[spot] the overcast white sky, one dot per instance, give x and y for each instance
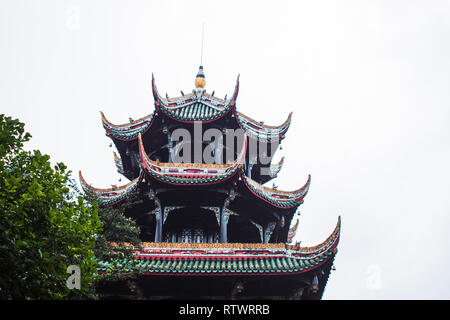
(368, 82)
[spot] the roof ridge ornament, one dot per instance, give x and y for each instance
(200, 81)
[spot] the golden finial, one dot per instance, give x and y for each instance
(200, 79)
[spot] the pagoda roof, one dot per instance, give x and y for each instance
(197, 111)
(128, 131)
(195, 106)
(189, 108)
(278, 198)
(198, 174)
(223, 259)
(112, 195)
(262, 132)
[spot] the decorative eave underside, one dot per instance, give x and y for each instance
(112, 195)
(128, 131)
(224, 259)
(195, 106)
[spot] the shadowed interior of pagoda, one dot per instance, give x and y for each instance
(240, 230)
(191, 225)
(193, 215)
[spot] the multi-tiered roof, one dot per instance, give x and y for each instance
(215, 219)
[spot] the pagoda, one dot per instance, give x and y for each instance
(209, 226)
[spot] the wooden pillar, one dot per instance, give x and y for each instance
(170, 146)
(158, 215)
(158, 230)
(223, 226)
(224, 216)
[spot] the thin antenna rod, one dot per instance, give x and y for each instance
(203, 33)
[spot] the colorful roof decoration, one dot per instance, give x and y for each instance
(195, 106)
(128, 131)
(188, 265)
(198, 174)
(224, 259)
(112, 195)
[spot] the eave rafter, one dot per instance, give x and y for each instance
(112, 195)
(191, 173)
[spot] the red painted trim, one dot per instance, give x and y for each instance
(154, 176)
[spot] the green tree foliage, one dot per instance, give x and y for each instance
(43, 227)
(120, 235)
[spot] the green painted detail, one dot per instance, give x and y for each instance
(214, 265)
(195, 112)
